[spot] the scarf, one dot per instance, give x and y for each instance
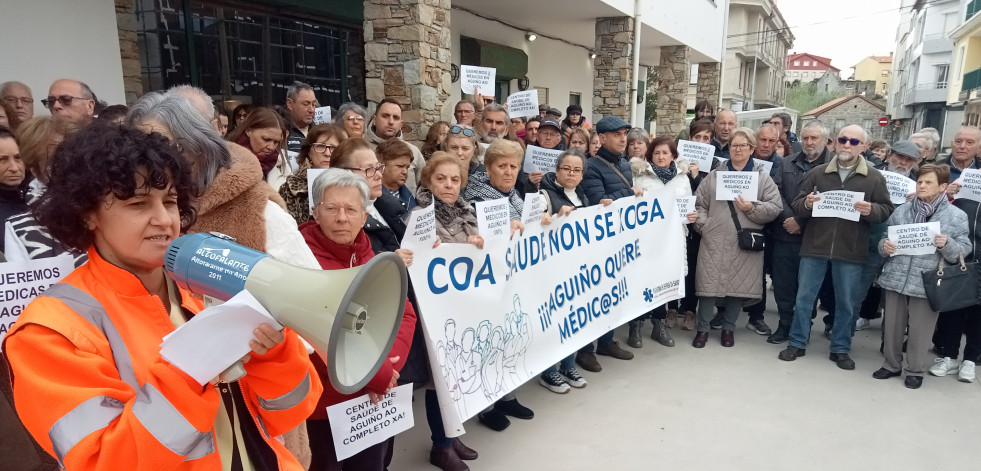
(267, 161)
(923, 210)
(446, 213)
(479, 188)
(666, 174)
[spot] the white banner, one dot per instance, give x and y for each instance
(495, 318)
(899, 186)
(522, 104)
(970, 184)
(697, 152)
(357, 424)
(838, 204)
(729, 185)
(23, 281)
(914, 239)
(475, 79)
(540, 159)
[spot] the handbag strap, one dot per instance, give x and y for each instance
(735, 219)
(615, 169)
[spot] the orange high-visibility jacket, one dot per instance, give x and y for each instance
(94, 391)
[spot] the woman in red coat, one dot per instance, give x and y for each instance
(337, 239)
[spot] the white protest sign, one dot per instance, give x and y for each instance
(729, 185)
(838, 204)
(312, 174)
(321, 115)
(766, 165)
(420, 229)
(496, 318)
(698, 153)
(899, 186)
(493, 218)
(475, 79)
(357, 424)
(970, 184)
(539, 159)
(531, 212)
(686, 204)
(523, 104)
(23, 281)
(914, 239)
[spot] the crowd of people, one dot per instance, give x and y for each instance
(113, 186)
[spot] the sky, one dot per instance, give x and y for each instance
(847, 31)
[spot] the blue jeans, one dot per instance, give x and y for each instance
(566, 364)
(602, 341)
(847, 277)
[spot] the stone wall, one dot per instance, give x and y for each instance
(672, 89)
(407, 57)
(129, 51)
(708, 83)
(612, 67)
(853, 111)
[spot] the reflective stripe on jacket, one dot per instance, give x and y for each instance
(91, 387)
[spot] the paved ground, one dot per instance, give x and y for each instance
(734, 408)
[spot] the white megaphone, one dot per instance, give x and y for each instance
(350, 316)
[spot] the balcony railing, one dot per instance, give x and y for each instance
(932, 86)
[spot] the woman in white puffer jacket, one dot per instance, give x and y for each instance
(661, 169)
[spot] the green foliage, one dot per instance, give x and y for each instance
(804, 97)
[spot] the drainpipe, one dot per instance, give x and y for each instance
(636, 64)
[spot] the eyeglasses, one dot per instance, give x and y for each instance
(334, 210)
(570, 170)
(739, 146)
(465, 131)
(355, 118)
(852, 141)
(367, 171)
(23, 100)
(321, 148)
(65, 100)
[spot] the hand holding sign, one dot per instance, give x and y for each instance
(914, 239)
(697, 152)
(729, 185)
(968, 186)
(839, 204)
(539, 159)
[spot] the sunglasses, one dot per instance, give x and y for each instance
(65, 100)
(465, 131)
(852, 141)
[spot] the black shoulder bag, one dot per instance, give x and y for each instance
(749, 239)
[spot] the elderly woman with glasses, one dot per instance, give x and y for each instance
(315, 153)
(353, 118)
(462, 141)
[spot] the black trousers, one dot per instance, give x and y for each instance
(952, 325)
(324, 458)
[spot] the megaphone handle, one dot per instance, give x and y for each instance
(232, 373)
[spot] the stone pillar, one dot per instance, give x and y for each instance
(612, 68)
(708, 83)
(129, 50)
(672, 90)
(407, 57)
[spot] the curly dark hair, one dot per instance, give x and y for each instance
(102, 159)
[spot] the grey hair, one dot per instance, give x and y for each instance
(825, 132)
(296, 88)
(933, 134)
(496, 107)
(478, 150)
(928, 140)
(332, 177)
(349, 106)
(4, 86)
(638, 134)
(574, 153)
(191, 92)
(194, 134)
(87, 91)
(473, 107)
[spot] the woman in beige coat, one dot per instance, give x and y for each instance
(724, 272)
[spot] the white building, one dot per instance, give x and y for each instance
(758, 39)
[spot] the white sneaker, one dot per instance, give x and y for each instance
(945, 366)
(862, 323)
(966, 373)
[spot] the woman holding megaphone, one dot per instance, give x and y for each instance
(89, 381)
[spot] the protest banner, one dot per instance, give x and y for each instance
(729, 185)
(970, 184)
(521, 104)
(539, 159)
(475, 79)
(697, 152)
(312, 174)
(357, 424)
(493, 219)
(495, 318)
(686, 204)
(914, 239)
(838, 204)
(21, 282)
(899, 186)
(321, 115)
(766, 165)
(420, 229)
(531, 212)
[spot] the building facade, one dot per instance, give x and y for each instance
(877, 69)
(758, 39)
(965, 79)
(805, 67)
(851, 109)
